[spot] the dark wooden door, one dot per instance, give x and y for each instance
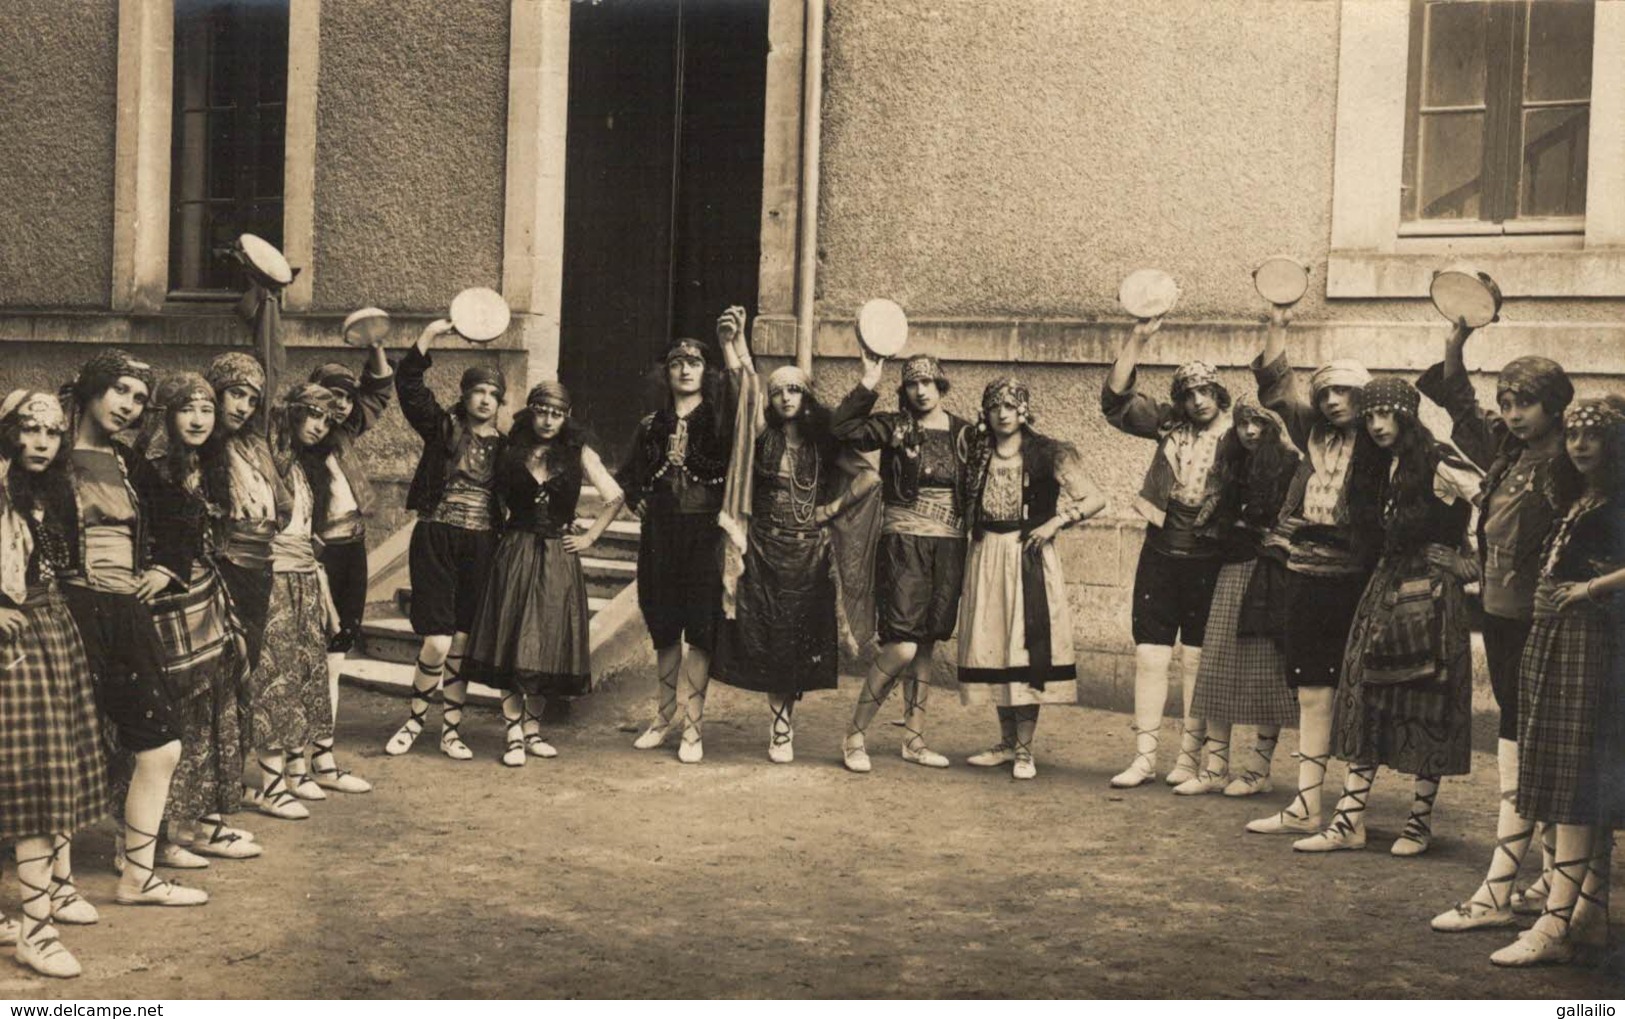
(663, 190)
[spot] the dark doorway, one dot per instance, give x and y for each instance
(663, 190)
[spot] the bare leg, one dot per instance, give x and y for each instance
(1314, 751)
(668, 665)
(143, 814)
(1151, 663)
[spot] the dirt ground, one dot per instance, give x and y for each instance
(609, 872)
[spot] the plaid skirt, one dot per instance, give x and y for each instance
(1569, 770)
(288, 700)
(1241, 680)
(195, 629)
(53, 770)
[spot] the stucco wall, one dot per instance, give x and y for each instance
(1017, 160)
(58, 69)
(410, 151)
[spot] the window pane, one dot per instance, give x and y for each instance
(222, 156)
(1554, 161)
(1559, 50)
(1455, 55)
(1451, 165)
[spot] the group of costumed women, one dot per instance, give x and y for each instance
(1311, 555)
(173, 611)
(171, 608)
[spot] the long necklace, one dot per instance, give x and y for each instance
(803, 496)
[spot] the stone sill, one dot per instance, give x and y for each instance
(1407, 273)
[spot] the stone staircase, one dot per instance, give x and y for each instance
(388, 647)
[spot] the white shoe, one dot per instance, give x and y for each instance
(926, 756)
(161, 893)
(68, 906)
(992, 757)
(1249, 784)
(1141, 771)
(535, 746)
(1534, 948)
(179, 857)
(652, 737)
(1412, 844)
(340, 781)
(405, 736)
(45, 954)
(1472, 915)
(452, 745)
(782, 750)
(1202, 784)
(306, 788)
(855, 757)
(1024, 767)
(1284, 823)
(226, 844)
(691, 751)
(1332, 840)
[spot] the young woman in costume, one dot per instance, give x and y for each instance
(530, 638)
(1325, 577)
(1241, 680)
(452, 541)
(1571, 685)
(920, 564)
(1015, 628)
(1520, 446)
(110, 584)
(1179, 560)
(51, 761)
(1405, 696)
(673, 478)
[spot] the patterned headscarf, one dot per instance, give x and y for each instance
(310, 397)
(1393, 395)
(1539, 378)
(1594, 412)
(1194, 375)
(182, 388)
(549, 393)
(100, 372)
(1341, 372)
(31, 408)
(787, 377)
(485, 375)
(235, 368)
(1008, 388)
(923, 367)
(337, 377)
(1247, 407)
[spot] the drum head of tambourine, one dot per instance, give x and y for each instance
(265, 259)
(1461, 294)
(1148, 293)
(366, 326)
(480, 314)
(1281, 280)
(882, 327)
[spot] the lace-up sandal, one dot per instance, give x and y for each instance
(333, 777)
(513, 754)
(691, 749)
(38, 945)
(1250, 783)
(1347, 830)
(274, 800)
(1476, 914)
(1188, 762)
(855, 756)
(418, 718)
(299, 781)
(179, 857)
(1143, 768)
(535, 745)
(1417, 835)
(451, 742)
(1537, 947)
(217, 840)
(1295, 819)
(155, 891)
(993, 756)
(781, 735)
(1024, 767)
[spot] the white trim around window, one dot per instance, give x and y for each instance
(1372, 256)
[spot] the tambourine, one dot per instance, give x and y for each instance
(1465, 295)
(1148, 294)
(480, 315)
(882, 327)
(365, 327)
(1281, 280)
(264, 260)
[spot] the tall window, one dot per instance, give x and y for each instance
(1497, 116)
(231, 87)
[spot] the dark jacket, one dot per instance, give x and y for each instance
(695, 487)
(855, 424)
(161, 535)
(371, 400)
(1135, 413)
(443, 437)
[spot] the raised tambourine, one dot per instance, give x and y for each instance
(265, 261)
(365, 327)
(882, 327)
(1148, 293)
(480, 315)
(1465, 295)
(1282, 281)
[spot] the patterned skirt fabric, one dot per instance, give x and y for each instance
(992, 628)
(1241, 680)
(1571, 765)
(530, 633)
(288, 702)
(783, 640)
(53, 770)
(1422, 727)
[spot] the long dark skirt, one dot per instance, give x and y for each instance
(288, 700)
(53, 770)
(530, 632)
(1571, 759)
(1241, 679)
(783, 640)
(1419, 728)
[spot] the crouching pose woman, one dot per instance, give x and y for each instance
(1571, 747)
(1015, 629)
(51, 761)
(1405, 696)
(529, 638)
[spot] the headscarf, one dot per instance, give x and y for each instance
(182, 388)
(1247, 406)
(31, 407)
(27, 407)
(1194, 375)
(337, 377)
(310, 397)
(1594, 412)
(235, 368)
(548, 393)
(1393, 395)
(685, 349)
(485, 375)
(1008, 388)
(1341, 372)
(923, 368)
(787, 377)
(1539, 378)
(100, 372)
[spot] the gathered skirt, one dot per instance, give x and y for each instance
(1571, 746)
(994, 664)
(53, 767)
(1241, 680)
(288, 700)
(530, 632)
(1423, 727)
(783, 639)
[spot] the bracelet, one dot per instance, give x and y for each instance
(1589, 597)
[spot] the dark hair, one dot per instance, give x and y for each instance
(1254, 482)
(658, 391)
(815, 433)
(1568, 484)
(51, 490)
(312, 459)
(562, 451)
(179, 459)
(11, 442)
(1220, 394)
(1409, 491)
(942, 384)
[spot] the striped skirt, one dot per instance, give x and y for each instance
(53, 769)
(1242, 680)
